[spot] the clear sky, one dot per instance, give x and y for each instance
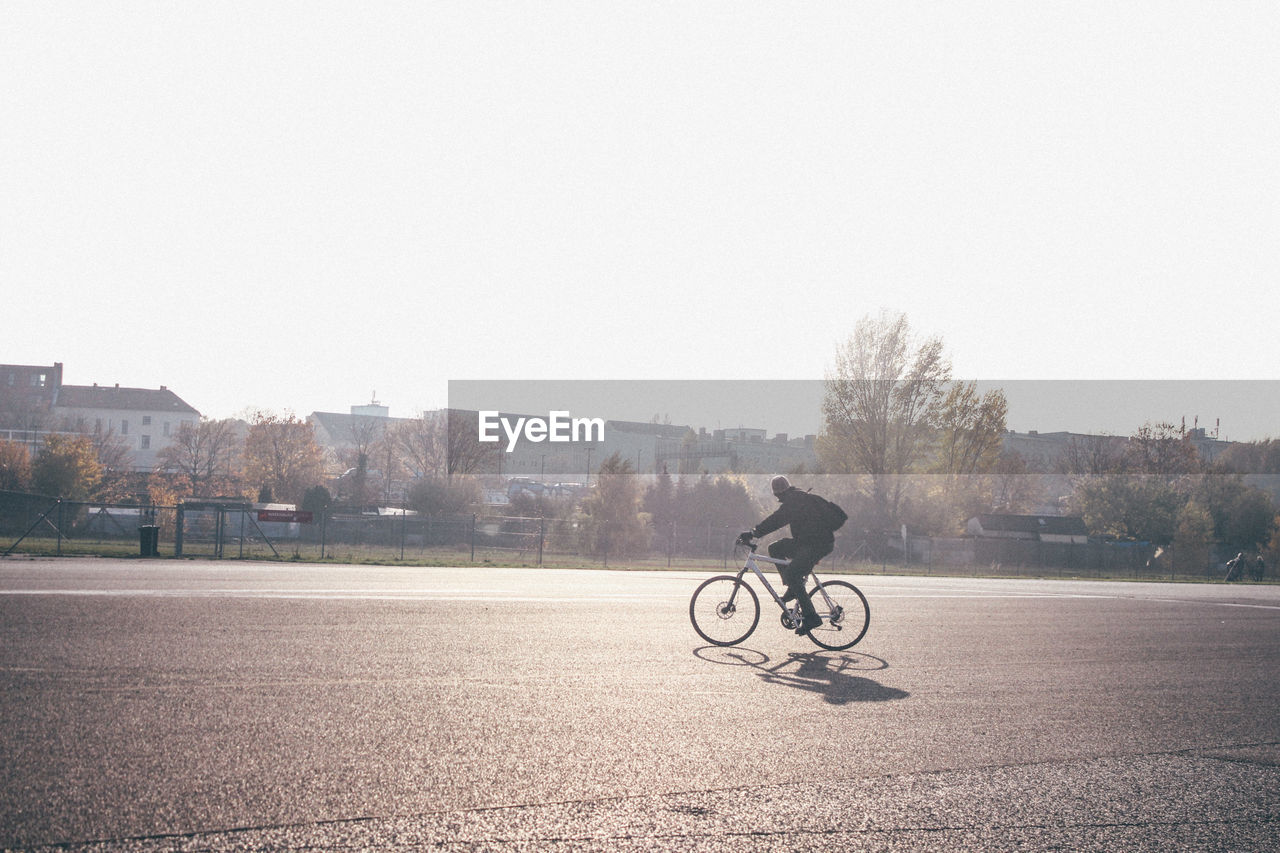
(296, 205)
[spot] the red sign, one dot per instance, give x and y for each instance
(293, 516)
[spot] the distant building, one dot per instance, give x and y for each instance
(652, 447)
(1046, 450)
(27, 392)
(337, 432)
(34, 403)
(1067, 530)
(145, 419)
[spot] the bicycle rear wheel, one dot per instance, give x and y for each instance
(724, 610)
(845, 614)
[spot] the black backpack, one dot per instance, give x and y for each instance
(830, 515)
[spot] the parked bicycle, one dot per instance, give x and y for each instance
(725, 609)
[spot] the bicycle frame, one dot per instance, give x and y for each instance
(752, 564)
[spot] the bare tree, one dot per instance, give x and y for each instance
(1014, 487)
(367, 440)
(1092, 456)
(420, 444)
(198, 449)
(464, 452)
(441, 445)
(116, 459)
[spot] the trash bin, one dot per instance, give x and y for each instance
(149, 540)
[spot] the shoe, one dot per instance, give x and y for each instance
(788, 596)
(808, 625)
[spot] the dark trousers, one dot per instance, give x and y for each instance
(804, 555)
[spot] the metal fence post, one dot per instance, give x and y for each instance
(60, 505)
(219, 526)
(542, 536)
(177, 531)
(473, 537)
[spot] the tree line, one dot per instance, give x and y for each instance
(268, 457)
(922, 451)
(903, 445)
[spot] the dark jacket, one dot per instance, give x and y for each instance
(803, 511)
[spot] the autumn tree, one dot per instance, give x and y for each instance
(15, 467)
(1162, 450)
(67, 467)
(1129, 507)
(971, 429)
(1191, 537)
(168, 489)
(198, 449)
(881, 406)
(1242, 516)
(281, 455)
(118, 482)
(1253, 457)
(612, 524)
(1252, 520)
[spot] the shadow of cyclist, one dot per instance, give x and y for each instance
(829, 675)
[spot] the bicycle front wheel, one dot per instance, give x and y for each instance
(724, 610)
(845, 614)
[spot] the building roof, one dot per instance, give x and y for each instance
(336, 429)
(1053, 525)
(126, 399)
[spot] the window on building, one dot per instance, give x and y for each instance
(146, 420)
(144, 442)
(166, 428)
(124, 427)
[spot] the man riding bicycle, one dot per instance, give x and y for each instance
(812, 539)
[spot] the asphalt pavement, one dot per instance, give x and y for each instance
(186, 705)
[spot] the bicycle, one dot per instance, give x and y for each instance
(725, 609)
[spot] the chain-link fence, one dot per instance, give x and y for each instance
(230, 529)
(39, 525)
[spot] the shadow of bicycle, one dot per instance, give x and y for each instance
(831, 675)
